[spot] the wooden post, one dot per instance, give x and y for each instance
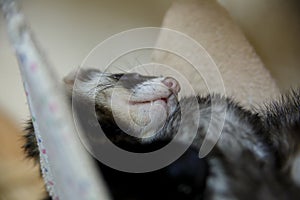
(67, 169)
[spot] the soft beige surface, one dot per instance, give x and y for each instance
(273, 28)
(243, 73)
(19, 177)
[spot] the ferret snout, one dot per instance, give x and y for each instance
(172, 84)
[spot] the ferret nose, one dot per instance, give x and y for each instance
(172, 84)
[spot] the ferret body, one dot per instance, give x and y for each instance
(254, 157)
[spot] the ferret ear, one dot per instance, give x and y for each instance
(69, 80)
(80, 74)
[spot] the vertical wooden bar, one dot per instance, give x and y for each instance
(67, 169)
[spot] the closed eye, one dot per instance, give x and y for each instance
(117, 76)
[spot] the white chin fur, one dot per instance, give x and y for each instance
(139, 120)
(142, 112)
(158, 116)
(147, 119)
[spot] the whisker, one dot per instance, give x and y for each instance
(104, 87)
(137, 60)
(146, 71)
(119, 68)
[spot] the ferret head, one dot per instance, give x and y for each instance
(140, 105)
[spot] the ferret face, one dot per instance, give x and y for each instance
(140, 105)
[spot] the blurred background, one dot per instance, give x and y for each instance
(69, 29)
